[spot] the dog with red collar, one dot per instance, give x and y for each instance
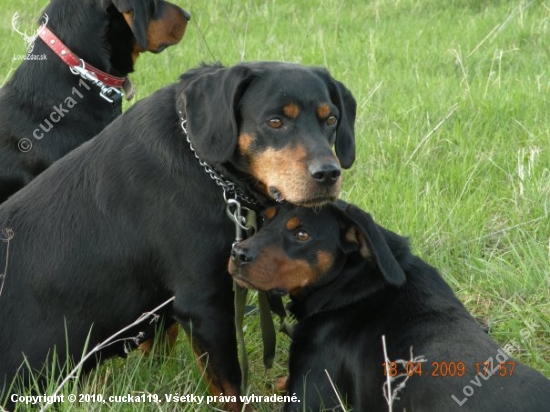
(53, 104)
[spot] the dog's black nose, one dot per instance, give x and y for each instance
(325, 173)
(242, 256)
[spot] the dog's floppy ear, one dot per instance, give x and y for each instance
(345, 131)
(136, 13)
(371, 243)
(211, 98)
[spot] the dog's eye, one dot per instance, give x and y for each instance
(275, 123)
(302, 236)
(331, 121)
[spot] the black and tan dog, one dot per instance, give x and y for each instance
(45, 110)
(351, 282)
(131, 218)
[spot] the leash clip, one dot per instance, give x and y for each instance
(245, 223)
(110, 94)
(234, 211)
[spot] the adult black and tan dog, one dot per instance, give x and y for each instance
(45, 110)
(131, 217)
(352, 282)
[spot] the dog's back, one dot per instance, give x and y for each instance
(429, 335)
(453, 364)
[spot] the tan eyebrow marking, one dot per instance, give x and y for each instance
(323, 110)
(291, 110)
(293, 223)
(270, 212)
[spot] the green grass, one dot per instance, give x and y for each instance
(472, 193)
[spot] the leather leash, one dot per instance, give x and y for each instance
(245, 226)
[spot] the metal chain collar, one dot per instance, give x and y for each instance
(227, 186)
(243, 217)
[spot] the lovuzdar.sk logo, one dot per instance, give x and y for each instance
(29, 39)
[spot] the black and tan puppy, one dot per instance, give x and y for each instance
(45, 110)
(131, 218)
(351, 282)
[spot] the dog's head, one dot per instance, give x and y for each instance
(275, 123)
(335, 251)
(155, 24)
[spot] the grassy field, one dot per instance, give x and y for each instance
(453, 138)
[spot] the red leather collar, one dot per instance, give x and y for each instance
(71, 59)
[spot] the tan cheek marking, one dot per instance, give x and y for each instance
(296, 274)
(293, 223)
(284, 169)
(323, 111)
(324, 262)
(274, 269)
(245, 142)
(291, 110)
(270, 212)
(169, 29)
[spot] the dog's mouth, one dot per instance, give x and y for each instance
(160, 48)
(245, 283)
(278, 196)
(315, 202)
(278, 291)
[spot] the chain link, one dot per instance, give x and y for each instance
(219, 178)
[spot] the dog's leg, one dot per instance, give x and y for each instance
(212, 334)
(167, 340)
